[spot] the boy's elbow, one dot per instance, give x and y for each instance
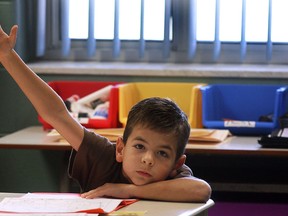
(201, 192)
(204, 192)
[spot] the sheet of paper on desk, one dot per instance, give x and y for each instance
(110, 133)
(208, 135)
(60, 203)
(44, 214)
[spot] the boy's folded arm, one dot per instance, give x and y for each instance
(186, 189)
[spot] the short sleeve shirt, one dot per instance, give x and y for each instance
(94, 164)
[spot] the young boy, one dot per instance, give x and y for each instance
(148, 163)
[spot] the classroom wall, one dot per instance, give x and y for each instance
(23, 170)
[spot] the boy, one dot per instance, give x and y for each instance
(148, 163)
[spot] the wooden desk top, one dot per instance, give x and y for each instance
(237, 145)
(35, 138)
(156, 208)
(32, 138)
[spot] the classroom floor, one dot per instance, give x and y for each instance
(248, 209)
(250, 205)
(243, 169)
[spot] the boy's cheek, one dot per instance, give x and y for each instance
(173, 173)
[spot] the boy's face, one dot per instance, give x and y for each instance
(148, 156)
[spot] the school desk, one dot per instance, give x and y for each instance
(155, 208)
(36, 138)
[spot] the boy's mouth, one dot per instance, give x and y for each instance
(144, 174)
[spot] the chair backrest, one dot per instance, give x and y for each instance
(186, 95)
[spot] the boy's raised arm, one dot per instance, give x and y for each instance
(47, 103)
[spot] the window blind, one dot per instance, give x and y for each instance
(166, 47)
(269, 40)
(181, 42)
(243, 40)
(117, 43)
(217, 43)
(91, 42)
(141, 40)
(192, 44)
(66, 41)
(41, 28)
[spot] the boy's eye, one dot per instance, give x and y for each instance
(139, 146)
(163, 154)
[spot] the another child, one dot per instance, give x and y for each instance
(147, 163)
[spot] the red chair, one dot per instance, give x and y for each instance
(66, 89)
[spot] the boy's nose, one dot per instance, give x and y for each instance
(148, 159)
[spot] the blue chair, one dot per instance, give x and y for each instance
(239, 107)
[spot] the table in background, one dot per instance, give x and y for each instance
(32, 138)
(36, 138)
(235, 145)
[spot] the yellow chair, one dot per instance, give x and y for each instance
(186, 95)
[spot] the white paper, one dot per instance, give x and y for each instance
(56, 203)
(284, 132)
(44, 214)
(250, 124)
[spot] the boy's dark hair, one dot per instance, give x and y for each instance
(161, 115)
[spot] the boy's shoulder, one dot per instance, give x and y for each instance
(92, 140)
(184, 171)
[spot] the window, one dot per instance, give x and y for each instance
(182, 31)
(129, 19)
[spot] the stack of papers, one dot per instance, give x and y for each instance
(208, 135)
(203, 135)
(60, 203)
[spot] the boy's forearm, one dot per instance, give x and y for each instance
(47, 103)
(178, 190)
(32, 86)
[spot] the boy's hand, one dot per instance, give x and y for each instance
(7, 42)
(110, 190)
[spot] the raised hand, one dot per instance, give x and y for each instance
(7, 42)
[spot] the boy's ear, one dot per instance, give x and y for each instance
(180, 162)
(119, 150)
(177, 165)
